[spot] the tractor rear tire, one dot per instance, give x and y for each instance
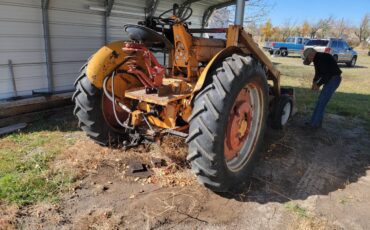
(209, 123)
(88, 110)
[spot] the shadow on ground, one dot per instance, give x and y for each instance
(344, 66)
(297, 163)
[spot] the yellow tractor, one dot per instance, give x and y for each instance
(213, 92)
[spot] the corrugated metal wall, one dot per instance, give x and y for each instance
(76, 32)
(21, 41)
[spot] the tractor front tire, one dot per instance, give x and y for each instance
(88, 110)
(281, 111)
(237, 92)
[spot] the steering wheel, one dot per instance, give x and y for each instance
(182, 14)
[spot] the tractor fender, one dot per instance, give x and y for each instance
(219, 57)
(104, 62)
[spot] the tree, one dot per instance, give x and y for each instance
(220, 18)
(324, 27)
(305, 29)
(266, 30)
(363, 32)
(314, 29)
(287, 28)
(255, 11)
(341, 28)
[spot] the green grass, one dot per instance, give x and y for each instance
(25, 157)
(352, 98)
(296, 209)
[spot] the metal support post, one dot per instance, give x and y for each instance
(151, 8)
(108, 9)
(11, 73)
(239, 14)
(45, 24)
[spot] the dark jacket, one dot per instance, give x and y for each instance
(325, 68)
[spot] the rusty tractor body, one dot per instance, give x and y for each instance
(213, 92)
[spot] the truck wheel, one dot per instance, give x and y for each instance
(89, 111)
(284, 53)
(277, 52)
(227, 123)
(352, 63)
(281, 111)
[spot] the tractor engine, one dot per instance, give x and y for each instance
(162, 101)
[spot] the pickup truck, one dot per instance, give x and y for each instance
(291, 45)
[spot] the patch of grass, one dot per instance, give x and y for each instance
(352, 98)
(296, 209)
(25, 173)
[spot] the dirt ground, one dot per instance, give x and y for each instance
(304, 180)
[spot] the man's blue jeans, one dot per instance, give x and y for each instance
(325, 95)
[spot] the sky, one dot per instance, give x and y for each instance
(313, 10)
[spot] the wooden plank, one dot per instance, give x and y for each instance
(13, 108)
(140, 95)
(33, 116)
(12, 128)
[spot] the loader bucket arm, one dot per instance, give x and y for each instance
(273, 74)
(239, 41)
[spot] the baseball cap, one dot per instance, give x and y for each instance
(306, 53)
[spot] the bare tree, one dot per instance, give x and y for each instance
(324, 27)
(220, 18)
(341, 28)
(256, 11)
(288, 28)
(363, 32)
(305, 29)
(314, 29)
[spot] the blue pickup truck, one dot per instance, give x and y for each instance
(291, 45)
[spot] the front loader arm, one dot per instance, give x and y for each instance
(273, 74)
(239, 41)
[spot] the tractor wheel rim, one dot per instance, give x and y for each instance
(107, 110)
(286, 113)
(243, 127)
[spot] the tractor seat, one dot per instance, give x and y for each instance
(150, 38)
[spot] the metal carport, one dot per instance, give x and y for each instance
(43, 43)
